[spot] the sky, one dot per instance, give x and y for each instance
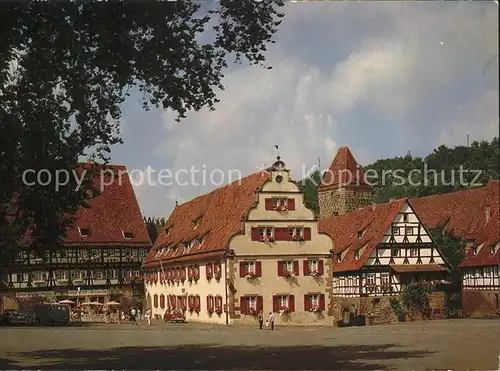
(383, 78)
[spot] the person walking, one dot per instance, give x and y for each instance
(271, 320)
(139, 314)
(148, 316)
(133, 314)
(261, 319)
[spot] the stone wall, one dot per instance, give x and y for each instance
(378, 310)
(339, 201)
(480, 302)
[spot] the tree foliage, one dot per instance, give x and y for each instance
(66, 68)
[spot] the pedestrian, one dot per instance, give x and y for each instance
(148, 316)
(107, 315)
(261, 319)
(133, 314)
(271, 320)
(123, 316)
(139, 314)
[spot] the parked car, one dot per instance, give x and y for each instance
(15, 317)
(174, 316)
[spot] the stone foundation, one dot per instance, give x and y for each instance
(378, 310)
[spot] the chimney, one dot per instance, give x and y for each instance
(487, 212)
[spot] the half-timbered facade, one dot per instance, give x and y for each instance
(471, 215)
(377, 251)
(247, 247)
(101, 253)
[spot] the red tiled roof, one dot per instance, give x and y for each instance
(489, 236)
(220, 215)
(344, 230)
(344, 170)
(462, 213)
(110, 214)
(418, 268)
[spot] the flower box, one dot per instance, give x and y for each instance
(315, 273)
(250, 275)
(316, 309)
(251, 312)
(217, 275)
(289, 274)
(218, 310)
(283, 310)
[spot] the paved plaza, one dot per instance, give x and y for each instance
(447, 344)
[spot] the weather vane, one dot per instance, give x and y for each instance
(277, 150)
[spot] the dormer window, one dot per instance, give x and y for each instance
(339, 257)
(360, 235)
(167, 231)
(195, 223)
(492, 250)
(356, 254)
(200, 241)
(84, 232)
(127, 235)
(474, 251)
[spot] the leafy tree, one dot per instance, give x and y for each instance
(67, 67)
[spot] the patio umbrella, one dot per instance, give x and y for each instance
(95, 303)
(112, 303)
(67, 302)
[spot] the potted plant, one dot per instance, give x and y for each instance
(315, 309)
(315, 273)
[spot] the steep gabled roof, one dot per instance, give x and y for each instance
(343, 171)
(112, 213)
(220, 215)
(489, 237)
(343, 230)
(460, 213)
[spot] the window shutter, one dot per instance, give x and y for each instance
(162, 301)
(183, 273)
(306, 268)
(275, 304)
(307, 303)
(260, 303)
(197, 301)
(243, 305)
(190, 272)
(243, 272)
(208, 303)
(280, 269)
(321, 267)
(296, 267)
(258, 269)
(322, 302)
(278, 234)
(156, 301)
(291, 303)
(269, 204)
(255, 234)
(291, 204)
(307, 234)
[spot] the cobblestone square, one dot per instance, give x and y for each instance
(447, 344)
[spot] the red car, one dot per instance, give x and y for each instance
(175, 316)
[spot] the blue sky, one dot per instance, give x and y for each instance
(383, 78)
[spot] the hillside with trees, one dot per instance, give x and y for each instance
(444, 170)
